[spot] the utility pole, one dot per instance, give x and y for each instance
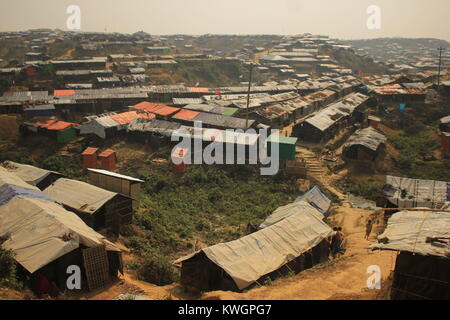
(248, 93)
(440, 63)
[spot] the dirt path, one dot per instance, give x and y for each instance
(319, 172)
(343, 278)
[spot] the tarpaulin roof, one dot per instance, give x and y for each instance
(55, 124)
(127, 117)
(79, 195)
(253, 256)
(368, 137)
(9, 191)
(30, 174)
(445, 119)
(7, 177)
(64, 92)
(409, 230)
(289, 210)
(217, 135)
(40, 232)
(317, 199)
(186, 115)
(155, 108)
(411, 193)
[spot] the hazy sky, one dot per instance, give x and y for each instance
(337, 18)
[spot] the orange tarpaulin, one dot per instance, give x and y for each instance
(55, 124)
(60, 93)
(128, 117)
(186, 114)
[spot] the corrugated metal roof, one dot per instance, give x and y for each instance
(330, 115)
(368, 137)
(79, 195)
(116, 175)
(40, 107)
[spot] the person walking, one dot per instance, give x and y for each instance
(368, 229)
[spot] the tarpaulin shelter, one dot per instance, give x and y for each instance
(10, 178)
(98, 207)
(43, 235)
(422, 239)
(10, 191)
(411, 193)
(444, 124)
(297, 241)
(152, 132)
(60, 130)
(364, 144)
(328, 120)
(103, 126)
(35, 176)
(43, 110)
(317, 199)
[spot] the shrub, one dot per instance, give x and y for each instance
(8, 270)
(157, 269)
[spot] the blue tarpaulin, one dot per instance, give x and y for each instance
(317, 199)
(9, 191)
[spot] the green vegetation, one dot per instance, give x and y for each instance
(351, 60)
(157, 269)
(209, 204)
(416, 158)
(8, 270)
(369, 189)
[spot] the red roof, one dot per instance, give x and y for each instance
(127, 117)
(156, 108)
(55, 124)
(146, 106)
(107, 153)
(186, 114)
(90, 151)
(165, 110)
(64, 92)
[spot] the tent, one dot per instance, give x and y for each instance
(317, 199)
(411, 193)
(96, 206)
(40, 232)
(240, 263)
(423, 240)
(35, 176)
